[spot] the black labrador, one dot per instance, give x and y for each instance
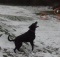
(28, 36)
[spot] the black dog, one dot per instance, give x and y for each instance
(29, 36)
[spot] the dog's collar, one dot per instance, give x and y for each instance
(32, 31)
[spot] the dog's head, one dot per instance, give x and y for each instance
(33, 26)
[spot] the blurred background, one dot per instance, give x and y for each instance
(31, 2)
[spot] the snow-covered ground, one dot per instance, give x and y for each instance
(15, 20)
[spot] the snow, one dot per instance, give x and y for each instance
(15, 20)
(16, 11)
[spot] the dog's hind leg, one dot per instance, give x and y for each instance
(15, 50)
(18, 46)
(32, 44)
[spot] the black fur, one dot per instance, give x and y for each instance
(28, 36)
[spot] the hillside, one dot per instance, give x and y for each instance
(15, 21)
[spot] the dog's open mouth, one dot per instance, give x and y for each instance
(37, 26)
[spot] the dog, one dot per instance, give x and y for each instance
(28, 36)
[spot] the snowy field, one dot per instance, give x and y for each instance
(15, 20)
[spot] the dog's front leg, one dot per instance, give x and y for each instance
(32, 44)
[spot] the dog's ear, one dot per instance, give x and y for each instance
(31, 25)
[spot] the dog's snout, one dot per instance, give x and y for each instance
(36, 22)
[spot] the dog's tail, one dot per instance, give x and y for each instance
(9, 39)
